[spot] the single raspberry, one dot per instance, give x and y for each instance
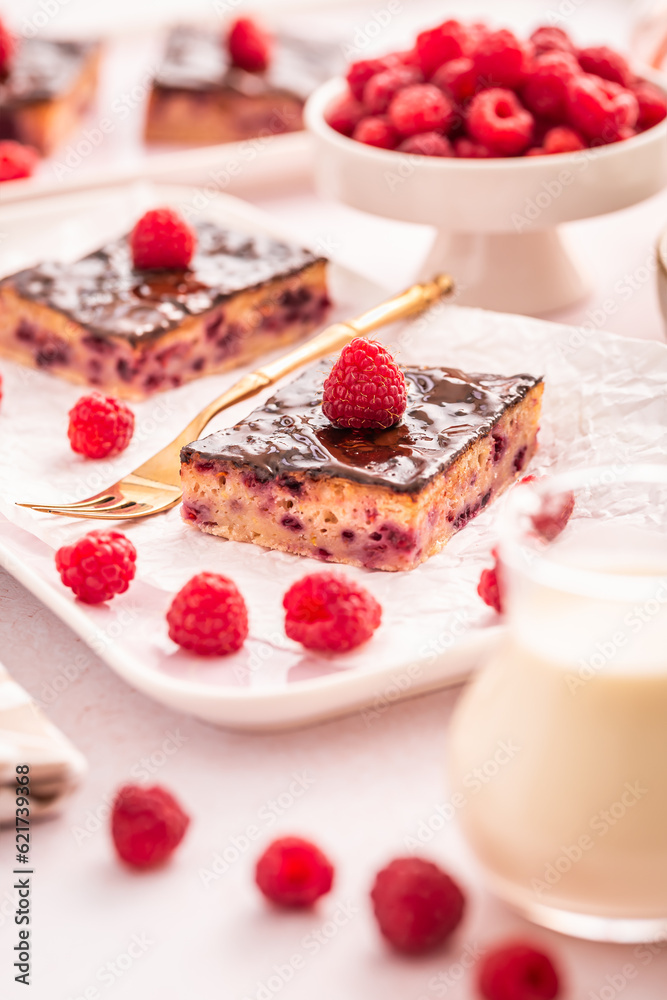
(439, 45)
(162, 241)
(498, 120)
(293, 872)
(599, 108)
(328, 612)
(562, 139)
(603, 61)
(344, 114)
(376, 131)
(7, 49)
(427, 144)
(359, 73)
(467, 149)
(501, 59)
(16, 160)
(457, 78)
(545, 89)
(652, 104)
(551, 39)
(100, 426)
(365, 387)
(382, 87)
(416, 904)
(249, 45)
(553, 516)
(488, 588)
(98, 566)
(208, 616)
(421, 108)
(147, 825)
(518, 972)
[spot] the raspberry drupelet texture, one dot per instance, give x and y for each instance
(544, 91)
(497, 120)
(162, 241)
(327, 612)
(293, 872)
(518, 972)
(208, 616)
(249, 45)
(604, 62)
(551, 39)
(438, 45)
(98, 566)
(376, 131)
(16, 160)
(7, 47)
(600, 109)
(100, 426)
(416, 904)
(421, 107)
(365, 387)
(147, 825)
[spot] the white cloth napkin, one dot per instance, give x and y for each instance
(27, 737)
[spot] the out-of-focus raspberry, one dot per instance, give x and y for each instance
(293, 872)
(16, 160)
(147, 825)
(376, 131)
(7, 49)
(551, 39)
(438, 45)
(360, 72)
(545, 89)
(162, 240)
(467, 149)
(602, 61)
(250, 45)
(382, 87)
(457, 78)
(498, 120)
(501, 59)
(600, 109)
(518, 972)
(652, 104)
(562, 139)
(344, 114)
(427, 144)
(421, 108)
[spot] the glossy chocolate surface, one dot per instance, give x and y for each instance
(196, 59)
(104, 294)
(447, 412)
(43, 69)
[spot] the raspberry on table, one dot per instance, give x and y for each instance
(554, 514)
(518, 972)
(562, 139)
(208, 616)
(544, 91)
(344, 114)
(500, 59)
(7, 48)
(421, 107)
(293, 872)
(365, 387)
(382, 87)
(458, 78)
(498, 120)
(147, 825)
(98, 566)
(327, 612)
(16, 160)
(162, 241)
(652, 104)
(438, 45)
(360, 72)
(551, 39)
(100, 426)
(488, 588)
(376, 131)
(466, 148)
(599, 108)
(427, 144)
(417, 905)
(602, 61)
(249, 45)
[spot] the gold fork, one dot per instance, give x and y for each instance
(155, 485)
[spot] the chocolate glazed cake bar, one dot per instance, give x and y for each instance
(287, 479)
(49, 88)
(100, 322)
(199, 97)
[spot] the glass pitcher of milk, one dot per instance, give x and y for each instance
(572, 829)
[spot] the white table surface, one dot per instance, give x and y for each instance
(368, 786)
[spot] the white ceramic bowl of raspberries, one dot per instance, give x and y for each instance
(496, 142)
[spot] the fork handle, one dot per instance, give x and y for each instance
(414, 300)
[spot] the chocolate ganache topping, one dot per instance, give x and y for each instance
(103, 292)
(43, 69)
(196, 59)
(447, 412)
